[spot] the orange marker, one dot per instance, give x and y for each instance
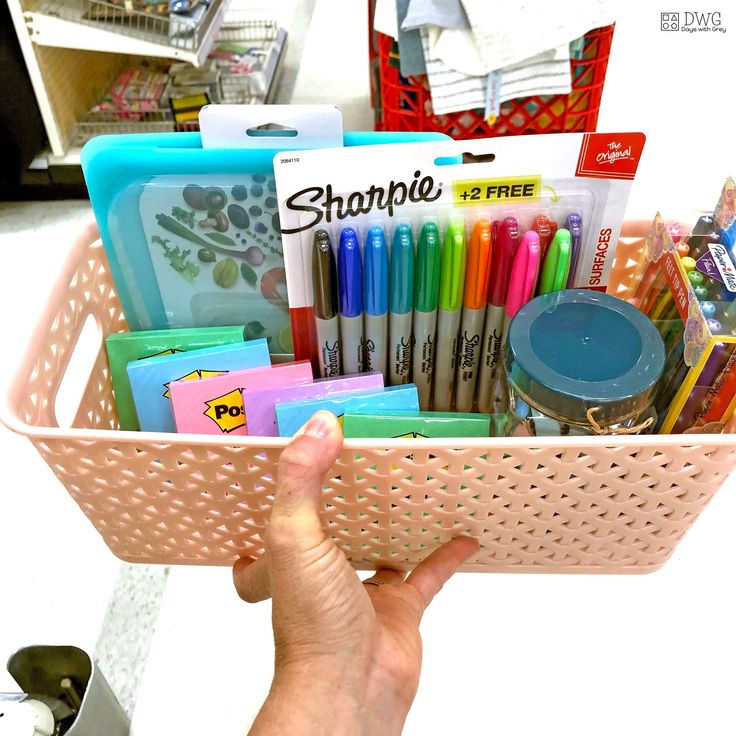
(477, 275)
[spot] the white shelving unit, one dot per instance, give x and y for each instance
(73, 49)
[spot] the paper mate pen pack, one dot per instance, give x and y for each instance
(425, 424)
(686, 284)
(260, 404)
(413, 260)
(292, 415)
(150, 378)
(125, 347)
(215, 405)
(190, 222)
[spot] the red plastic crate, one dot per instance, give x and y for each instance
(403, 103)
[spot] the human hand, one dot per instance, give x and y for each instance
(348, 654)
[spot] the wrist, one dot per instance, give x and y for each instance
(319, 698)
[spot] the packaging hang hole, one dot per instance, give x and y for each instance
(292, 127)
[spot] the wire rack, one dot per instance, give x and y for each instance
(236, 89)
(148, 20)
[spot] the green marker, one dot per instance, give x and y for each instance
(452, 285)
(556, 266)
(426, 294)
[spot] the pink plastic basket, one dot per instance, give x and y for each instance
(602, 504)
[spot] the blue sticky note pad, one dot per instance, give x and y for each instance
(149, 378)
(293, 414)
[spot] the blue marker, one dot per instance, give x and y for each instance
(575, 225)
(350, 289)
(402, 305)
(375, 289)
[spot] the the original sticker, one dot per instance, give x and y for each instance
(226, 411)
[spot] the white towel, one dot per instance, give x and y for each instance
(522, 29)
(547, 73)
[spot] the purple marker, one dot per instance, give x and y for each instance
(574, 224)
(714, 326)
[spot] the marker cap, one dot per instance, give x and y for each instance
(479, 266)
(402, 270)
(452, 270)
(324, 276)
(556, 266)
(350, 274)
(375, 272)
(427, 272)
(505, 240)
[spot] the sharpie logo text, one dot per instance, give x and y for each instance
(322, 203)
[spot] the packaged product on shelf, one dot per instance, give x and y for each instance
(512, 208)
(687, 287)
(426, 424)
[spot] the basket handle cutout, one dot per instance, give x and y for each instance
(78, 371)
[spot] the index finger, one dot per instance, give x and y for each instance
(431, 574)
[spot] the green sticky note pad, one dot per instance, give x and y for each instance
(124, 347)
(431, 424)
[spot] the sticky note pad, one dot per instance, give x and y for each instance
(260, 404)
(424, 424)
(215, 405)
(293, 414)
(124, 347)
(150, 378)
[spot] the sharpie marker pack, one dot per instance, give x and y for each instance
(687, 287)
(412, 259)
(190, 223)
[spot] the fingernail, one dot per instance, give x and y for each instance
(320, 425)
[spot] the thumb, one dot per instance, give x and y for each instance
(301, 470)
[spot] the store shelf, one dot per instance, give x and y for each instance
(98, 25)
(263, 38)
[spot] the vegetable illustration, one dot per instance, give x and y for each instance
(254, 256)
(215, 219)
(254, 330)
(238, 216)
(167, 223)
(273, 287)
(186, 217)
(178, 259)
(215, 198)
(225, 273)
(221, 239)
(194, 196)
(249, 274)
(206, 255)
(239, 192)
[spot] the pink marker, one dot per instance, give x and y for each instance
(522, 286)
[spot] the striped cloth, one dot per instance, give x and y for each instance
(547, 73)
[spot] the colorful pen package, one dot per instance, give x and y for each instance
(413, 260)
(190, 223)
(687, 287)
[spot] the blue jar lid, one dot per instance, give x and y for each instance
(570, 351)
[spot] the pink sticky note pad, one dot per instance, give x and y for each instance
(215, 405)
(260, 403)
